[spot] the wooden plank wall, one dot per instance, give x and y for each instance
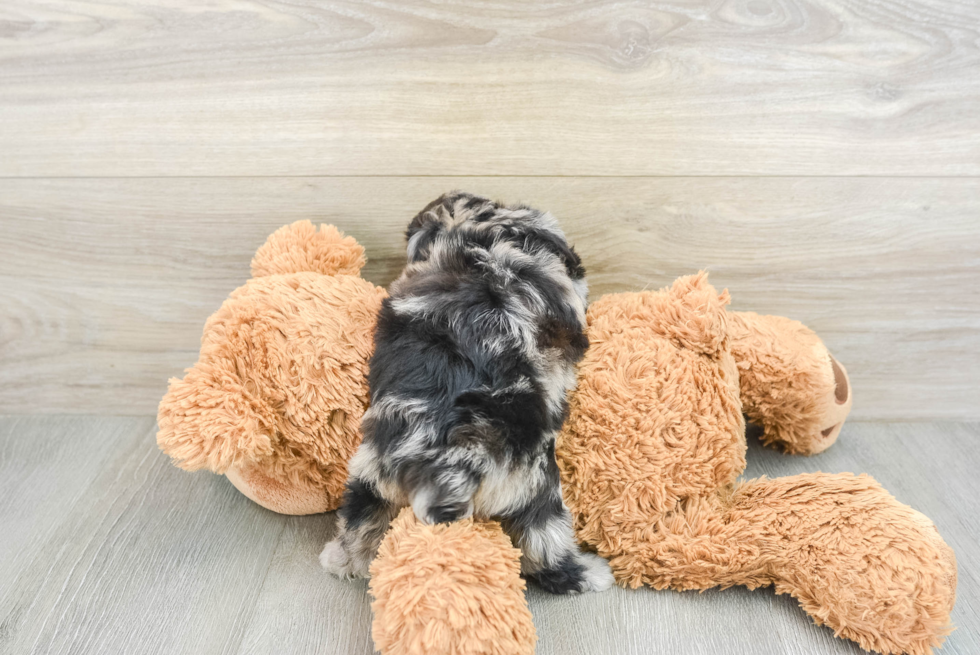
(820, 158)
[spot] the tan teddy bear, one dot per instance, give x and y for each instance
(650, 457)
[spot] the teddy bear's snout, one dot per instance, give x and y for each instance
(837, 411)
(841, 390)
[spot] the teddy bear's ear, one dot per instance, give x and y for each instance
(692, 313)
(689, 312)
(299, 248)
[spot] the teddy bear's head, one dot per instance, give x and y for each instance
(791, 385)
(275, 399)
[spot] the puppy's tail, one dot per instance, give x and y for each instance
(435, 503)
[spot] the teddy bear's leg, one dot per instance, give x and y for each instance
(550, 554)
(362, 521)
(790, 383)
(874, 570)
(449, 589)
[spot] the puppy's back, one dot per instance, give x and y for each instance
(476, 345)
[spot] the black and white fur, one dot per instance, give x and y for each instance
(475, 352)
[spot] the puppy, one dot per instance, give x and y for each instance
(475, 352)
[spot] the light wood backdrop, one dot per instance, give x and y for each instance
(821, 158)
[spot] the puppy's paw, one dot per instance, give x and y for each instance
(336, 560)
(597, 575)
(575, 574)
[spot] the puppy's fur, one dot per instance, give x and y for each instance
(475, 351)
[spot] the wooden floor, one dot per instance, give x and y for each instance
(107, 548)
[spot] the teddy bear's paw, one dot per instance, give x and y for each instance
(335, 559)
(597, 576)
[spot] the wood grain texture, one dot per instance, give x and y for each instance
(105, 284)
(328, 87)
(145, 559)
(107, 548)
(301, 609)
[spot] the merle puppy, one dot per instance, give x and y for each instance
(475, 351)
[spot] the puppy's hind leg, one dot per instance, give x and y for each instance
(549, 553)
(362, 521)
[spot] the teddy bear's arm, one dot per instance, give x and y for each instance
(206, 421)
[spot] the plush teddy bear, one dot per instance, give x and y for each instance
(649, 456)
(275, 399)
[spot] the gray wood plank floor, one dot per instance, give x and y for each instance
(107, 548)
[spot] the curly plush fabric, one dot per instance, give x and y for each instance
(449, 589)
(300, 248)
(655, 429)
(649, 459)
(872, 569)
(276, 397)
